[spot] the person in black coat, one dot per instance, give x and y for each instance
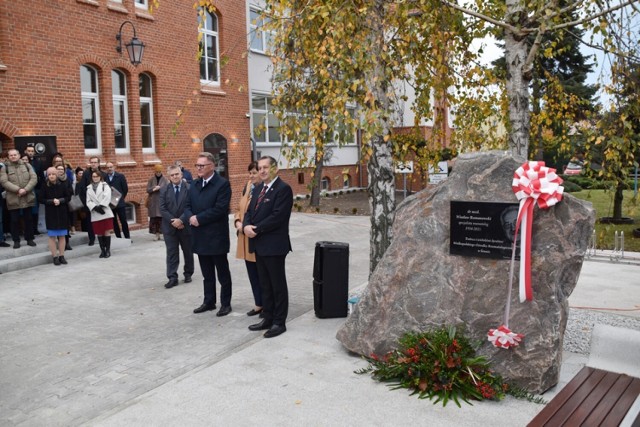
(173, 200)
(266, 223)
(55, 195)
(119, 182)
(207, 212)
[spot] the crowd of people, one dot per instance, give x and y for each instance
(190, 215)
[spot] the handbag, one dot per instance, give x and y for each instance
(75, 203)
(115, 198)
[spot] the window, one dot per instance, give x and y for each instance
(260, 40)
(142, 4)
(265, 123)
(146, 114)
(338, 134)
(130, 211)
(209, 62)
(325, 184)
(346, 183)
(90, 109)
(120, 111)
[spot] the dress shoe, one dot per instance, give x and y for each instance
(16, 245)
(68, 247)
(171, 283)
(253, 312)
(4, 245)
(224, 310)
(62, 260)
(204, 307)
(187, 278)
(275, 330)
(91, 242)
(264, 324)
(56, 260)
(31, 243)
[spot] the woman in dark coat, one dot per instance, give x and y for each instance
(56, 195)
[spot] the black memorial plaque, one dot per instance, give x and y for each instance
(483, 229)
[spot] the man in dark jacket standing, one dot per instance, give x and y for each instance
(266, 223)
(119, 182)
(19, 179)
(173, 200)
(207, 212)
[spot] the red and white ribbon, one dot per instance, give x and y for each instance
(503, 337)
(532, 182)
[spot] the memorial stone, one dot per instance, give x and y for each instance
(421, 283)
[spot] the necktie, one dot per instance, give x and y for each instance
(177, 192)
(261, 196)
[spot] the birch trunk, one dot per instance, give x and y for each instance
(518, 79)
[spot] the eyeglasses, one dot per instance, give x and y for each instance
(199, 166)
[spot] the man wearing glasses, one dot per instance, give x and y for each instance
(207, 212)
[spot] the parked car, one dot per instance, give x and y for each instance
(573, 168)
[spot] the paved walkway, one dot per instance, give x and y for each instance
(101, 342)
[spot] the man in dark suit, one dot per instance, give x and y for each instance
(266, 223)
(119, 182)
(173, 200)
(207, 212)
(39, 169)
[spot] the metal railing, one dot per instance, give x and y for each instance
(616, 255)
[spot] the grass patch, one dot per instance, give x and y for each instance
(602, 201)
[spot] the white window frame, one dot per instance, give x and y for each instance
(144, 100)
(94, 98)
(142, 4)
(256, 33)
(203, 45)
(263, 136)
(121, 100)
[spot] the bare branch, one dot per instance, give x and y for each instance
(591, 18)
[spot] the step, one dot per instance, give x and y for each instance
(28, 256)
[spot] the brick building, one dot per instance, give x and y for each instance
(64, 87)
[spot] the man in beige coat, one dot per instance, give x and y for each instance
(19, 179)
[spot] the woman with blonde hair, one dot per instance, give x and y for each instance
(55, 195)
(98, 199)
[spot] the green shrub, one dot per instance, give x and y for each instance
(571, 187)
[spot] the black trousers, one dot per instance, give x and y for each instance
(275, 293)
(254, 279)
(86, 224)
(173, 243)
(27, 217)
(210, 265)
(121, 214)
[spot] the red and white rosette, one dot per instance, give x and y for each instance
(532, 182)
(504, 338)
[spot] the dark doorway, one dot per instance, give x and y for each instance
(216, 144)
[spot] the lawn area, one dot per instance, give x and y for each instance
(602, 201)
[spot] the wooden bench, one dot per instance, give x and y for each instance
(594, 397)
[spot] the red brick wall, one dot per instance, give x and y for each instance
(43, 45)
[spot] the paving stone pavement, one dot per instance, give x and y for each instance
(81, 339)
(101, 342)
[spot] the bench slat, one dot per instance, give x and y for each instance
(615, 416)
(563, 395)
(576, 399)
(600, 394)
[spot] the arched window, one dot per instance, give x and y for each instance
(216, 144)
(120, 111)
(146, 114)
(210, 60)
(90, 109)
